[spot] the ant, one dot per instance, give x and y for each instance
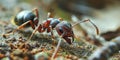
(63, 28)
(31, 18)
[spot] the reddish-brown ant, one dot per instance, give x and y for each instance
(63, 28)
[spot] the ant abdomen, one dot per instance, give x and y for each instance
(23, 17)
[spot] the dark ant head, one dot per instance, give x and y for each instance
(64, 29)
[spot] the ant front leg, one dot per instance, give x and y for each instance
(38, 28)
(57, 48)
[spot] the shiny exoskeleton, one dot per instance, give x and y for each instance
(23, 17)
(26, 18)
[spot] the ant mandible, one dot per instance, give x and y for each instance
(63, 28)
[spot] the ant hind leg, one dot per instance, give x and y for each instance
(32, 24)
(18, 28)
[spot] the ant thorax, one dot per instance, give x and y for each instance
(53, 22)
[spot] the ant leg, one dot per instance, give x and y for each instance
(51, 31)
(48, 29)
(32, 24)
(35, 23)
(39, 29)
(19, 27)
(35, 10)
(97, 30)
(34, 31)
(57, 48)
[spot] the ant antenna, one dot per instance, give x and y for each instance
(97, 30)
